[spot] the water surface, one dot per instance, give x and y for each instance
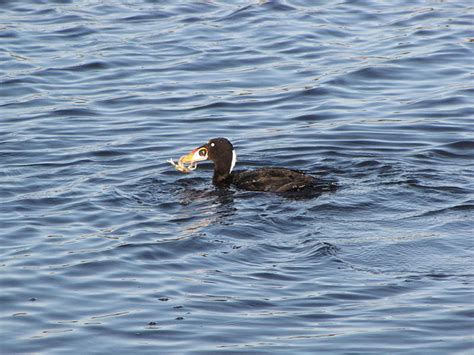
(105, 248)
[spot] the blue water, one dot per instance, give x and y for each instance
(105, 248)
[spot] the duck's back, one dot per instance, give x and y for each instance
(272, 180)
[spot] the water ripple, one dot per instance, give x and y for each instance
(101, 238)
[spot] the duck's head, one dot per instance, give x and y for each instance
(218, 150)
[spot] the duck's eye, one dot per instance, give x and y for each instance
(203, 152)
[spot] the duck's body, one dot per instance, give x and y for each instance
(272, 180)
(268, 179)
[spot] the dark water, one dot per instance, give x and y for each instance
(105, 248)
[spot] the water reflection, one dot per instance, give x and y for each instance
(211, 206)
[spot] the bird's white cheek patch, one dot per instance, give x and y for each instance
(234, 160)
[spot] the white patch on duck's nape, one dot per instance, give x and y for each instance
(234, 160)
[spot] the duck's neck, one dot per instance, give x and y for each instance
(223, 167)
(222, 174)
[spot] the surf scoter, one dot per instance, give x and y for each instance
(222, 153)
